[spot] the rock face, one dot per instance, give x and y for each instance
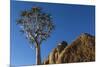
(80, 50)
(53, 56)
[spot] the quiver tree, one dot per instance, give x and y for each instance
(37, 26)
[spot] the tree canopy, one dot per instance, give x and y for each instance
(36, 24)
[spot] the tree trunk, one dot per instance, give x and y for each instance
(38, 55)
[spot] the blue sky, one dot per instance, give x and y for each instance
(70, 21)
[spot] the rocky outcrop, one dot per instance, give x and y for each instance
(80, 50)
(53, 56)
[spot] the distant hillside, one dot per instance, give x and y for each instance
(80, 50)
